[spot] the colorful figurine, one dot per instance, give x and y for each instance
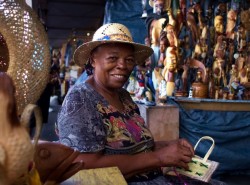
(231, 22)
(170, 69)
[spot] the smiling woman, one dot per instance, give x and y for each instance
(99, 119)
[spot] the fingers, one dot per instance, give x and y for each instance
(63, 167)
(183, 165)
(185, 143)
(177, 153)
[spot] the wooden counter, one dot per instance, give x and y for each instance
(163, 121)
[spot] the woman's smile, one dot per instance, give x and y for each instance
(120, 77)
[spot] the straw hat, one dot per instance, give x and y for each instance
(109, 33)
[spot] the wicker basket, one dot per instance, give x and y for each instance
(201, 168)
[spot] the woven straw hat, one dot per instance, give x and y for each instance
(109, 33)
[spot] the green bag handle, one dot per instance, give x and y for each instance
(210, 149)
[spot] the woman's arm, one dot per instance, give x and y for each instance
(81, 128)
(176, 153)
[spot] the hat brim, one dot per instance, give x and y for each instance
(82, 53)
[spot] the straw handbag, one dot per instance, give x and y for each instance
(200, 168)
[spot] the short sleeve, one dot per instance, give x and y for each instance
(79, 123)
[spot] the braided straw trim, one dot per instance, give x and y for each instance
(25, 120)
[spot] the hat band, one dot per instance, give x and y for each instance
(116, 37)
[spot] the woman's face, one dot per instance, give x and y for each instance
(113, 64)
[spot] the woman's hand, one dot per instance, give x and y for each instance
(56, 162)
(175, 153)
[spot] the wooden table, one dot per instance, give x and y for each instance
(109, 175)
(162, 121)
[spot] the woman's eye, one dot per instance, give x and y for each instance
(113, 58)
(130, 61)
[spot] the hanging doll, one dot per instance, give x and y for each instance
(231, 22)
(170, 69)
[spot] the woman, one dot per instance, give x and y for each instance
(99, 118)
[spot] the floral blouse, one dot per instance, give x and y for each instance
(88, 123)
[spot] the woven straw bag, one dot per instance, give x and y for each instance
(201, 168)
(24, 51)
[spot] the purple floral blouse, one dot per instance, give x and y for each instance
(88, 123)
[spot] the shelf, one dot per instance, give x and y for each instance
(213, 105)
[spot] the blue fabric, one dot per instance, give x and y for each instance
(230, 130)
(129, 14)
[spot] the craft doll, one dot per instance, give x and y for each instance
(163, 46)
(171, 35)
(171, 20)
(201, 48)
(241, 37)
(193, 28)
(218, 25)
(197, 9)
(233, 75)
(220, 47)
(132, 84)
(231, 22)
(15, 142)
(184, 78)
(170, 69)
(219, 72)
(243, 75)
(155, 24)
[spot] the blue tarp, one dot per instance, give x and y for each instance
(230, 130)
(129, 14)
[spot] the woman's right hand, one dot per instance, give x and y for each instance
(176, 153)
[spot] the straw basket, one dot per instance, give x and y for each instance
(24, 50)
(201, 168)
